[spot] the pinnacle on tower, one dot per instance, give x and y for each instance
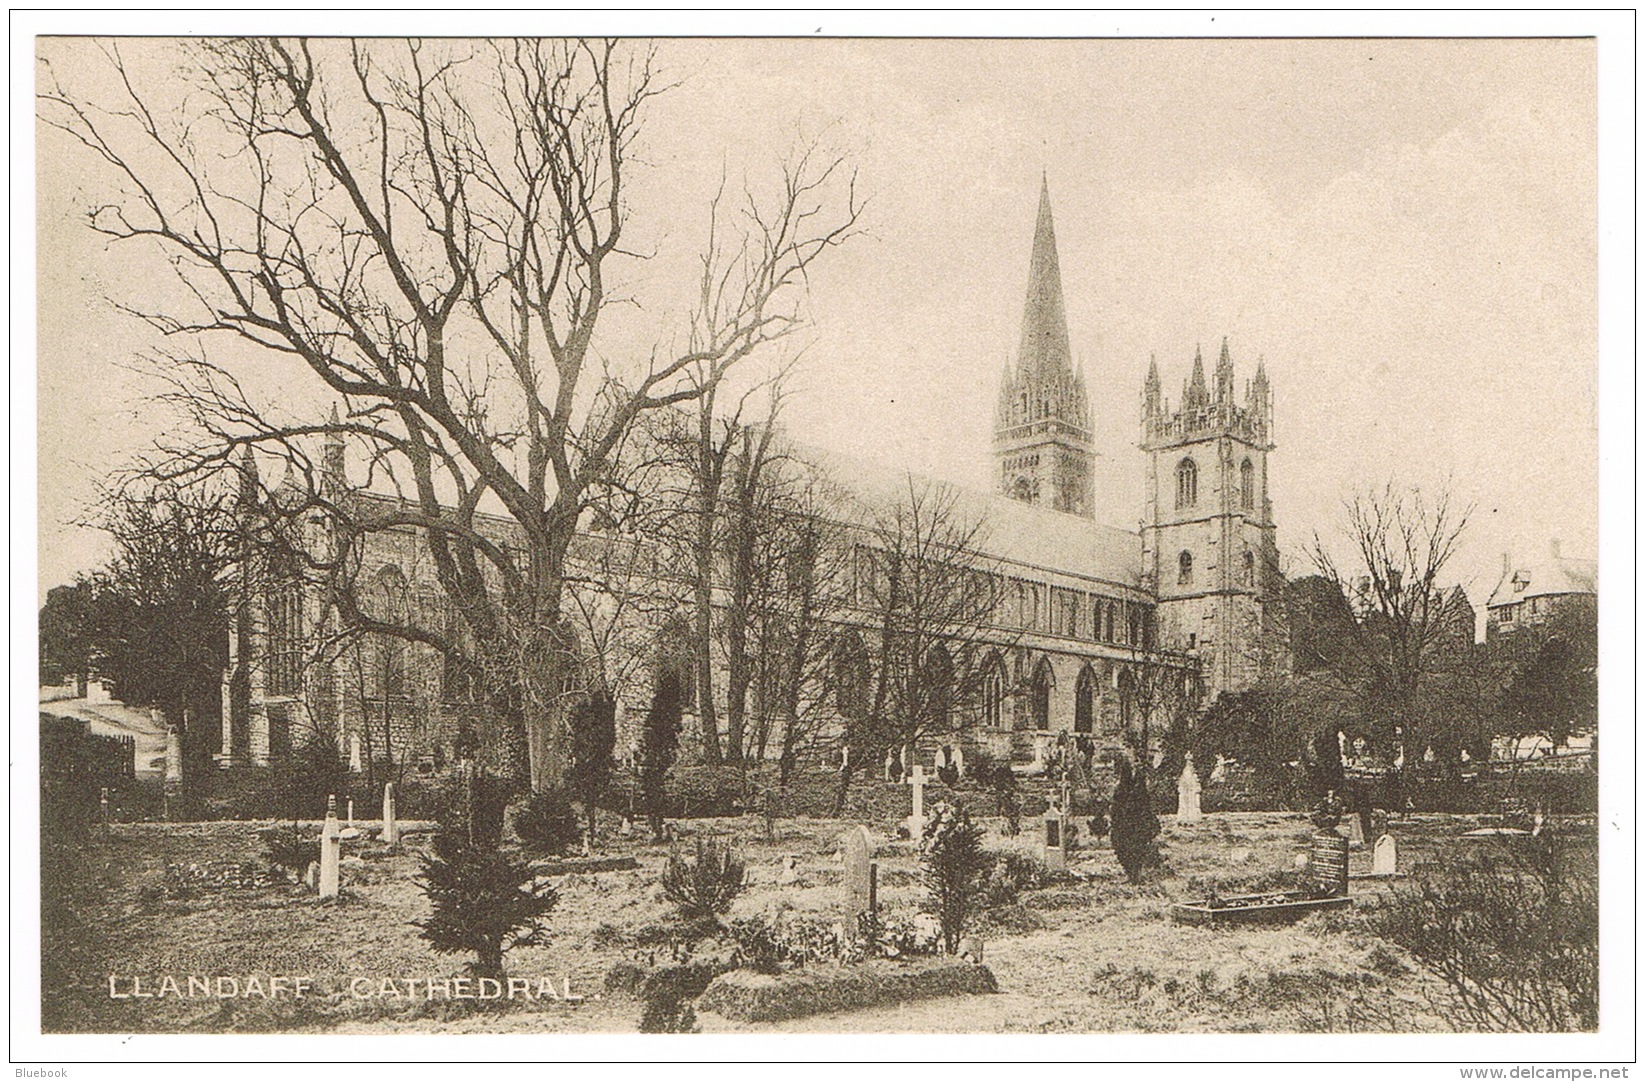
(248, 476)
(1194, 395)
(1044, 346)
(1225, 376)
(1150, 389)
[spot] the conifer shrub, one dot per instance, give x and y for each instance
(548, 823)
(660, 745)
(953, 866)
(1133, 822)
(484, 900)
(703, 888)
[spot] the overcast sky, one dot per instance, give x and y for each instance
(1404, 230)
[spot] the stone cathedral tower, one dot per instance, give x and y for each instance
(1042, 428)
(1208, 526)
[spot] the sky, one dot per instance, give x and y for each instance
(1404, 230)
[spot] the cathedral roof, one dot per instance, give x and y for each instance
(1013, 531)
(1044, 346)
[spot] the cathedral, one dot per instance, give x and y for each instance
(1094, 612)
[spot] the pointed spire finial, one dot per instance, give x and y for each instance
(1044, 347)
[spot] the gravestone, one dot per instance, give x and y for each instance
(890, 765)
(1055, 839)
(331, 851)
(311, 875)
(355, 764)
(351, 811)
(1188, 791)
(916, 820)
(174, 755)
(105, 805)
(1385, 857)
(790, 872)
(959, 760)
(391, 822)
(1329, 863)
(858, 850)
(1356, 832)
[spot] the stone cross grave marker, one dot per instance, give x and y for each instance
(331, 847)
(1188, 790)
(1385, 857)
(391, 822)
(916, 821)
(858, 849)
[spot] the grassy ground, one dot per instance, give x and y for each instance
(1102, 955)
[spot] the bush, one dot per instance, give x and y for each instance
(1009, 874)
(484, 900)
(660, 745)
(1134, 825)
(953, 865)
(547, 823)
(703, 888)
(285, 847)
(1512, 931)
(788, 942)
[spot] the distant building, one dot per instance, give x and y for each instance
(1532, 591)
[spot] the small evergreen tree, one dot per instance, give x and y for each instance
(660, 745)
(954, 868)
(484, 900)
(593, 739)
(1134, 825)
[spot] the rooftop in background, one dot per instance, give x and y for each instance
(1544, 575)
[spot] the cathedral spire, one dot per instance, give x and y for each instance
(1044, 346)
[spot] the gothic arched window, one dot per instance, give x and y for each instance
(1187, 483)
(1185, 568)
(1039, 697)
(1085, 698)
(1248, 569)
(993, 693)
(1247, 485)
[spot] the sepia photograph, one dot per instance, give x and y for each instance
(823, 535)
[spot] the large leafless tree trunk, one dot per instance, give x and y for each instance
(427, 234)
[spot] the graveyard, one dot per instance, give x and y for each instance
(1076, 946)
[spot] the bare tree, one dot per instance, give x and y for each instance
(1407, 649)
(923, 586)
(431, 233)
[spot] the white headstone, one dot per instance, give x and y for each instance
(355, 763)
(790, 872)
(916, 821)
(174, 755)
(350, 811)
(1219, 771)
(959, 760)
(331, 851)
(391, 822)
(1385, 857)
(890, 765)
(311, 875)
(1188, 791)
(858, 849)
